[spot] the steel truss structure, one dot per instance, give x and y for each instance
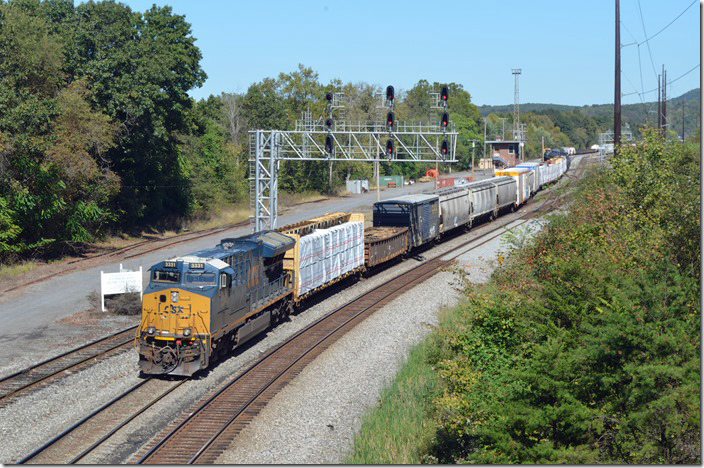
(352, 141)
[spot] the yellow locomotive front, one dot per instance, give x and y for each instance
(174, 336)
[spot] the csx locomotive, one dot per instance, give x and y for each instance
(199, 306)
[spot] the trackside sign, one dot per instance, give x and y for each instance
(125, 281)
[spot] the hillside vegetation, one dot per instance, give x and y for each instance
(99, 136)
(585, 346)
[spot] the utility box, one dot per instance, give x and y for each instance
(384, 181)
(357, 186)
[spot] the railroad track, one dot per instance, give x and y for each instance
(46, 372)
(85, 436)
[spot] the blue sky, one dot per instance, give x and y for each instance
(565, 48)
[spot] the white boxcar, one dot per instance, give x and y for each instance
(524, 181)
(505, 191)
(537, 168)
(454, 207)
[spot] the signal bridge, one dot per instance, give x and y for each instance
(341, 141)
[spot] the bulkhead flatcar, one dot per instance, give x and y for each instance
(419, 213)
(206, 303)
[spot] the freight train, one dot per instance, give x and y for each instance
(200, 306)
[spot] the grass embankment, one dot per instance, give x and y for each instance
(399, 430)
(583, 348)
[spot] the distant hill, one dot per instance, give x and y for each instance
(633, 114)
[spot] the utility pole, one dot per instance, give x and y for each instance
(617, 82)
(484, 140)
(682, 120)
(473, 141)
(659, 102)
(664, 101)
(542, 143)
(503, 127)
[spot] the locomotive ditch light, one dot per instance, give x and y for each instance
(389, 147)
(328, 97)
(445, 119)
(186, 332)
(389, 93)
(151, 330)
(390, 118)
(328, 144)
(444, 93)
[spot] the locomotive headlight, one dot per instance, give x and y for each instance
(174, 296)
(186, 332)
(151, 330)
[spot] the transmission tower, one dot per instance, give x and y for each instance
(517, 134)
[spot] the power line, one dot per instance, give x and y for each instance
(647, 43)
(669, 82)
(668, 24)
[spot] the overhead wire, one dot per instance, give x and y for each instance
(669, 82)
(642, 22)
(668, 24)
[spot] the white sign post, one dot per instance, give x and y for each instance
(126, 281)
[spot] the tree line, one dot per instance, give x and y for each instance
(99, 135)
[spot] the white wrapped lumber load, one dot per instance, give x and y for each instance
(328, 248)
(327, 254)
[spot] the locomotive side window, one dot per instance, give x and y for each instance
(161, 276)
(201, 279)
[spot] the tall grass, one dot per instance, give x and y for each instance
(401, 428)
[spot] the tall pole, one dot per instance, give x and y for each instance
(378, 190)
(516, 114)
(484, 140)
(664, 101)
(617, 82)
(473, 148)
(682, 120)
(659, 103)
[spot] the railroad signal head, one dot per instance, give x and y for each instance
(389, 147)
(444, 93)
(328, 144)
(445, 119)
(390, 119)
(389, 93)
(443, 149)
(328, 123)
(328, 97)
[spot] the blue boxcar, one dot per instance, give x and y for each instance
(419, 213)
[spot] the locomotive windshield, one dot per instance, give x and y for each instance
(161, 276)
(201, 279)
